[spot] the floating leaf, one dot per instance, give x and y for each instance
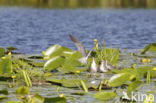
(36, 99)
(119, 79)
(5, 66)
(56, 50)
(78, 93)
(2, 51)
(55, 100)
(150, 47)
(105, 95)
(4, 91)
(133, 86)
(53, 63)
(14, 102)
(11, 48)
(67, 69)
(22, 90)
(142, 71)
(66, 82)
(149, 98)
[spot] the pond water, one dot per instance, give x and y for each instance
(33, 30)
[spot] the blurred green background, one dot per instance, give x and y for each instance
(81, 3)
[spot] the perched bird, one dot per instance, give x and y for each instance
(103, 67)
(93, 67)
(108, 66)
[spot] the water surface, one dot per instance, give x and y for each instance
(33, 30)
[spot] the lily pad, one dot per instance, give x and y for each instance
(105, 95)
(133, 86)
(56, 50)
(53, 63)
(2, 51)
(55, 100)
(36, 99)
(150, 47)
(119, 79)
(22, 90)
(5, 66)
(71, 83)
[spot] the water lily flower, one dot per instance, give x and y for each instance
(143, 60)
(13, 76)
(3, 58)
(154, 68)
(96, 44)
(61, 95)
(9, 53)
(78, 72)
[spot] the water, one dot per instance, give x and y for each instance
(33, 30)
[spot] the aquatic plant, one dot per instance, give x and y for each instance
(149, 47)
(58, 60)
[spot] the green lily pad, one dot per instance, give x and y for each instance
(142, 71)
(67, 69)
(133, 86)
(55, 100)
(23, 90)
(11, 48)
(4, 91)
(119, 79)
(36, 99)
(5, 66)
(14, 102)
(150, 47)
(71, 83)
(57, 50)
(53, 63)
(2, 51)
(105, 95)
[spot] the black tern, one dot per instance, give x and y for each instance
(103, 67)
(81, 49)
(93, 67)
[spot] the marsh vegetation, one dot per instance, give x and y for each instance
(81, 3)
(59, 70)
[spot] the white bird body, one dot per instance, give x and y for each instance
(93, 68)
(108, 66)
(103, 67)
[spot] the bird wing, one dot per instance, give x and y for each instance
(79, 45)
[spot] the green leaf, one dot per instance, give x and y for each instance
(22, 90)
(5, 66)
(149, 98)
(36, 99)
(55, 100)
(14, 102)
(4, 91)
(66, 82)
(150, 47)
(119, 79)
(66, 68)
(53, 63)
(105, 95)
(133, 86)
(2, 51)
(11, 48)
(142, 71)
(57, 50)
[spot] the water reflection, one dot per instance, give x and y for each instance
(81, 3)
